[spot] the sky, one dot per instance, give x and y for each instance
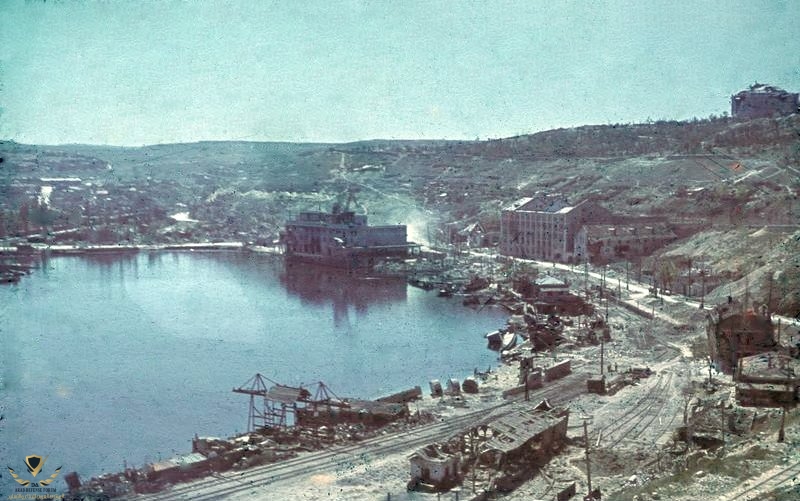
(145, 71)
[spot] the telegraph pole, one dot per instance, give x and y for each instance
(588, 464)
(627, 275)
(586, 277)
(782, 432)
(602, 354)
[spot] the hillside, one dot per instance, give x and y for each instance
(731, 176)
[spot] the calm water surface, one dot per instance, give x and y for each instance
(108, 359)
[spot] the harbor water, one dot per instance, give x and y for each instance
(115, 359)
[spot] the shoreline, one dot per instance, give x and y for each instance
(127, 248)
(118, 251)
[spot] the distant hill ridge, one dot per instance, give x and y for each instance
(652, 138)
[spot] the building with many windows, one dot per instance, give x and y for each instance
(609, 242)
(544, 227)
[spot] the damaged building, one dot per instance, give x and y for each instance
(341, 238)
(435, 466)
(544, 227)
(521, 439)
(761, 101)
(547, 227)
(352, 411)
(603, 243)
(770, 379)
(735, 331)
(504, 446)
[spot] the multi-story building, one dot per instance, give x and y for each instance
(607, 242)
(735, 331)
(544, 227)
(343, 239)
(762, 100)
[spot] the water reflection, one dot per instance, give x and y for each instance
(318, 285)
(98, 349)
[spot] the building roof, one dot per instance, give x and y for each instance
(513, 431)
(518, 203)
(432, 454)
(552, 204)
(748, 318)
(770, 365)
(550, 281)
(758, 88)
(377, 408)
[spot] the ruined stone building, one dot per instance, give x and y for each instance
(435, 465)
(762, 100)
(735, 332)
(609, 242)
(770, 379)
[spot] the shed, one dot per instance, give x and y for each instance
(432, 465)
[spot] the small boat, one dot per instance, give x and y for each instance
(9, 278)
(500, 340)
(494, 340)
(509, 341)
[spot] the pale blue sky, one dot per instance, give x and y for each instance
(140, 72)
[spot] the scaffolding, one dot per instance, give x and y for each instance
(273, 406)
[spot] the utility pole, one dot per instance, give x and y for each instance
(527, 389)
(586, 277)
(769, 296)
(602, 355)
(653, 318)
(722, 424)
(746, 294)
(627, 275)
(782, 432)
(588, 464)
(710, 363)
(703, 293)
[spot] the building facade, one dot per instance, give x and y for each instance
(544, 227)
(343, 239)
(608, 242)
(770, 379)
(735, 332)
(762, 100)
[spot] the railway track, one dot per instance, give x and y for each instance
(764, 484)
(228, 483)
(219, 486)
(638, 418)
